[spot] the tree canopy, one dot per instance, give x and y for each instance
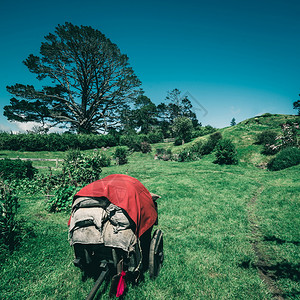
(89, 82)
(296, 105)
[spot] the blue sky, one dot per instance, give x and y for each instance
(237, 58)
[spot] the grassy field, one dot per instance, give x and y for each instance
(225, 228)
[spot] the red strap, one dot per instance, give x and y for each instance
(121, 285)
(69, 221)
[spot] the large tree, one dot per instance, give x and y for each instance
(89, 81)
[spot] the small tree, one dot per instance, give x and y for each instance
(183, 128)
(226, 153)
(121, 155)
(296, 105)
(232, 123)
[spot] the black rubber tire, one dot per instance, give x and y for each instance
(156, 253)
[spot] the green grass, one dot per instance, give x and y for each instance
(204, 212)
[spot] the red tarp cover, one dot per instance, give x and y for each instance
(128, 193)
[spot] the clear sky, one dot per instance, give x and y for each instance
(235, 58)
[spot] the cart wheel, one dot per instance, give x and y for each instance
(156, 254)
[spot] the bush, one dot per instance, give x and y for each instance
(210, 145)
(55, 141)
(226, 153)
(104, 160)
(201, 131)
(9, 227)
(62, 199)
(121, 155)
(266, 137)
(79, 169)
(187, 155)
(197, 147)
(133, 142)
(286, 158)
(145, 147)
(16, 169)
(155, 137)
(164, 154)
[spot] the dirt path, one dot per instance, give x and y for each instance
(262, 260)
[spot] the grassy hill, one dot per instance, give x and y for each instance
(230, 232)
(244, 136)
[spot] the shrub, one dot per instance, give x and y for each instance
(133, 142)
(201, 131)
(55, 141)
(187, 155)
(197, 147)
(104, 160)
(9, 226)
(226, 153)
(286, 158)
(145, 147)
(266, 137)
(121, 155)
(16, 169)
(177, 142)
(210, 145)
(156, 137)
(80, 168)
(164, 154)
(62, 199)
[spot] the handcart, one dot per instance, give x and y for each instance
(110, 229)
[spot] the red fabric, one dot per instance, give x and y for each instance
(128, 193)
(121, 285)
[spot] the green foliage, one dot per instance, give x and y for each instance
(62, 199)
(187, 155)
(233, 123)
(79, 168)
(191, 153)
(16, 169)
(201, 131)
(85, 64)
(273, 143)
(183, 128)
(164, 154)
(9, 226)
(155, 137)
(226, 153)
(197, 147)
(55, 141)
(289, 136)
(121, 155)
(266, 137)
(286, 158)
(133, 142)
(296, 105)
(145, 147)
(210, 145)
